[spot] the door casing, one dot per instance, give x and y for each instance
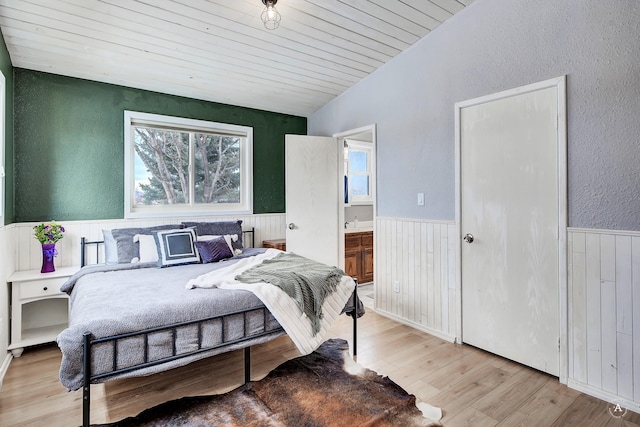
(560, 84)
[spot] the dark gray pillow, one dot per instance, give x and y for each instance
(214, 250)
(127, 249)
(219, 228)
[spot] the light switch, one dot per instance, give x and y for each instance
(420, 199)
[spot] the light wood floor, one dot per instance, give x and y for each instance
(472, 387)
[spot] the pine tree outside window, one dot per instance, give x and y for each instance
(176, 166)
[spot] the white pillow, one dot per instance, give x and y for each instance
(227, 238)
(148, 248)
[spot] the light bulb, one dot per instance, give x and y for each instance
(270, 16)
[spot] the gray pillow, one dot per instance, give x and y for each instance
(126, 248)
(219, 228)
(214, 250)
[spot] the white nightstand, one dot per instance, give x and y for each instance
(39, 310)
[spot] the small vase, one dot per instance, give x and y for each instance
(48, 252)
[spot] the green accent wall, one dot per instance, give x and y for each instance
(7, 71)
(69, 145)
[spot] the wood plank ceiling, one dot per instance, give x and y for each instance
(219, 50)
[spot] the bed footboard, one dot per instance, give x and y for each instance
(205, 342)
(89, 342)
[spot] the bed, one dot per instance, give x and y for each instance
(133, 318)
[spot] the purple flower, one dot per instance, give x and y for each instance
(49, 233)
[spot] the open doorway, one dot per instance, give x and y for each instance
(357, 204)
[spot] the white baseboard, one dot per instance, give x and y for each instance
(5, 367)
(603, 395)
(439, 334)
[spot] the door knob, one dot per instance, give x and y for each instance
(468, 238)
(291, 226)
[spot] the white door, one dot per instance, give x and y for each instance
(509, 206)
(312, 197)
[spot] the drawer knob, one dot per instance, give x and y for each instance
(45, 288)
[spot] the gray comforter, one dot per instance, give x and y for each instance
(114, 299)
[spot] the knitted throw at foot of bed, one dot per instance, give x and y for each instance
(324, 388)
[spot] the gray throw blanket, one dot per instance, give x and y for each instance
(308, 282)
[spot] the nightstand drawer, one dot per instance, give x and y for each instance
(41, 288)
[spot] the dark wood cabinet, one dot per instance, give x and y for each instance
(352, 256)
(275, 243)
(358, 255)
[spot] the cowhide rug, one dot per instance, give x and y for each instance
(324, 388)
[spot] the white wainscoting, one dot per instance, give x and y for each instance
(6, 269)
(420, 256)
(604, 287)
(28, 253)
(603, 297)
(604, 314)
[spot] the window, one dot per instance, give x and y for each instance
(176, 166)
(358, 167)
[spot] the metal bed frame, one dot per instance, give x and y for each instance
(89, 342)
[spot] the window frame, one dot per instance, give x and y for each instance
(135, 118)
(368, 149)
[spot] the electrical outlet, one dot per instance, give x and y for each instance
(396, 286)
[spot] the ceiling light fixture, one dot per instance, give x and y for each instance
(270, 16)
